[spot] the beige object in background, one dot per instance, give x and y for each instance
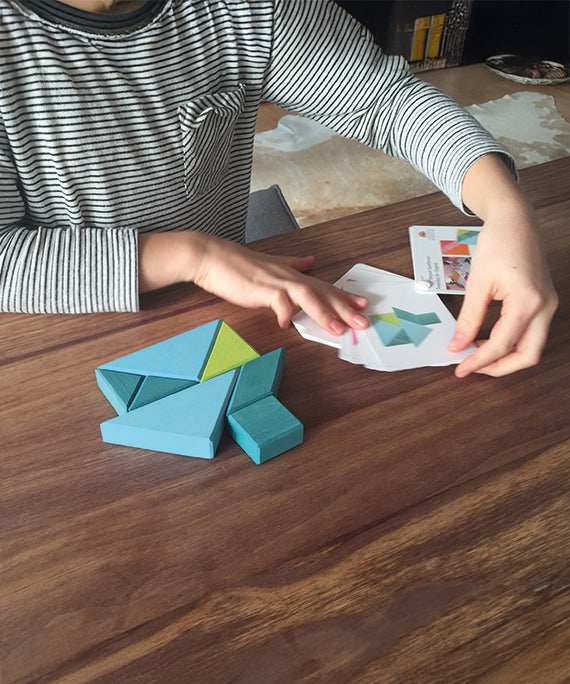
(324, 176)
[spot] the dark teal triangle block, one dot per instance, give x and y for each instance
(189, 422)
(258, 379)
(183, 356)
(119, 388)
(153, 388)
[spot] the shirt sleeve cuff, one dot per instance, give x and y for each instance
(68, 270)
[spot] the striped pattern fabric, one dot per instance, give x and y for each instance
(112, 130)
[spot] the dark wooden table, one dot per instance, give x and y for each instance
(420, 533)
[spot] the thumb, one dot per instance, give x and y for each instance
(470, 318)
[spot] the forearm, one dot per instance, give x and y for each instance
(489, 189)
(246, 278)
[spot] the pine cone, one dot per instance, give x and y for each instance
(555, 72)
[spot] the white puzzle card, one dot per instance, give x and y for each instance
(407, 329)
(410, 330)
(442, 257)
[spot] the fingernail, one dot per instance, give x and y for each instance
(360, 321)
(336, 327)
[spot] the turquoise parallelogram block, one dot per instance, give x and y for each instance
(189, 422)
(118, 388)
(183, 356)
(265, 429)
(258, 379)
(430, 318)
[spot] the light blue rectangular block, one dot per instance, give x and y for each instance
(265, 429)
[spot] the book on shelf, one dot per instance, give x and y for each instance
(435, 34)
(419, 42)
(427, 50)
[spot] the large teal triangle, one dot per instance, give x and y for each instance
(183, 356)
(189, 422)
(416, 333)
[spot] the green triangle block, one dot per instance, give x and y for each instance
(229, 352)
(118, 387)
(388, 317)
(153, 388)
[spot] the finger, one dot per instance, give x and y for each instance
(282, 307)
(346, 306)
(503, 340)
(300, 264)
(470, 317)
(357, 301)
(315, 305)
(527, 353)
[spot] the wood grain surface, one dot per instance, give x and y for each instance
(420, 533)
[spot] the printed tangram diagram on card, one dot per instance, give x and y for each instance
(442, 257)
(407, 329)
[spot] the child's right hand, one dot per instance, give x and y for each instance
(247, 278)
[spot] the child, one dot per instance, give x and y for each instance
(126, 133)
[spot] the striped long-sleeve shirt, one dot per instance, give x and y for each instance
(115, 126)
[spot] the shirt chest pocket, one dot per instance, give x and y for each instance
(208, 125)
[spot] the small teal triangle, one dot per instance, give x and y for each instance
(153, 388)
(119, 388)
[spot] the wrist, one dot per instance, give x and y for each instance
(490, 191)
(169, 258)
